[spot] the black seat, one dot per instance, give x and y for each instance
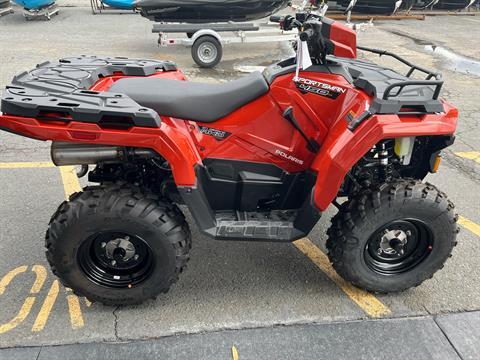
(190, 100)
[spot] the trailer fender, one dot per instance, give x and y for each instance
(206, 32)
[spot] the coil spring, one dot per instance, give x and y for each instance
(380, 157)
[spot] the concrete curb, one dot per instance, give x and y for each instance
(452, 336)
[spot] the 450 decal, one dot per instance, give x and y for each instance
(319, 88)
(217, 134)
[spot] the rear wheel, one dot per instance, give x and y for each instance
(393, 238)
(207, 51)
(118, 245)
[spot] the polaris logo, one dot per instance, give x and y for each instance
(289, 157)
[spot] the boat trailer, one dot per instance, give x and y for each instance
(45, 13)
(5, 8)
(207, 42)
(99, 7)
(6, 11)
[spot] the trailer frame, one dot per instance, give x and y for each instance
(99, 7)
(5, 11)
(207, 40)
(45, 13)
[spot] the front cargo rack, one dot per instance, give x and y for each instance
(59, 91)
(430, 74)
(395, 93)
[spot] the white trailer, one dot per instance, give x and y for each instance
(207, 40)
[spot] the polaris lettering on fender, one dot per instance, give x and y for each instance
(217, 134)
(319, 88)
(289, 157)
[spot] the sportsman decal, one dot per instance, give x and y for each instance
(319, 88)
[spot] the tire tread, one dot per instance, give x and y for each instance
(144, 203)
(353, 213)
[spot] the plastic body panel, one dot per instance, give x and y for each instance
(342, 38)
(343, 148)
(170, 139)
(322, 103)
(62, 91)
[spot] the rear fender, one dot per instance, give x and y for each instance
(342, 148)
(170, 141)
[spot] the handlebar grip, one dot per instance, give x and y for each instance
(276, 18)
(307, 34)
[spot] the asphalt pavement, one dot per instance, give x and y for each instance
(236, 300)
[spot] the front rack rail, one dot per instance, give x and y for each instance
(432, 78)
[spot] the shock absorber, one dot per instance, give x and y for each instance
(384, 163)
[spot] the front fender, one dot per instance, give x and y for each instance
(342, 148)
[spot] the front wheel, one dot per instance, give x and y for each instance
(393, 238)
(118, 245)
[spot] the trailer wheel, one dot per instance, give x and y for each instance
(118, 244)
(207, 51)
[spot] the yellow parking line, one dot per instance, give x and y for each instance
(471, 155)
(71, 184)
(368, 302)
(469, 224)
(234, 353)
(372, 306)
(41, 275)
(18, 319)
(76, 317)
(26, 165)
(27, 304)
(46, 308)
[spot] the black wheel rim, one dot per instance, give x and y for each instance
(398, 246)
(116, 259)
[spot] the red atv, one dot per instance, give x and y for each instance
(256, 159)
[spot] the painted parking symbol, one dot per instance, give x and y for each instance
(372, 306)
(74, 308)
(71, 185)
(27, 305)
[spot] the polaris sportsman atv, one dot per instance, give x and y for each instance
(256, 159)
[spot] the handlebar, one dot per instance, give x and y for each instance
(277, 18)
(287, 22)
(307, 34)
(309, 27)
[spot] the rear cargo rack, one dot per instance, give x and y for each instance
(60, 92)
